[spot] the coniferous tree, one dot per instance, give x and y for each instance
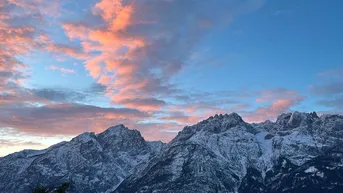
(63, 188)
(40, 189)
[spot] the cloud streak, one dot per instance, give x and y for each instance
(62, 70)
(67, 119)
(278, 101)
(330, 89)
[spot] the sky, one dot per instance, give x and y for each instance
(74, 66)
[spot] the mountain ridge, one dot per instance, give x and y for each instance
(217, 154)
(93, 162)
(220, 154)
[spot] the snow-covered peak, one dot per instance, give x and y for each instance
(232, 120)
(84, 137)
(121, 136)
(119, 131)
(213, 125)
(232, 117)
(115, 130)
(223, 151)
(225, 154)
(295, 119)
(90, 162)
(225, 121)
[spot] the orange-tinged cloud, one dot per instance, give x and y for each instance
(105, 80)
(138, 49)
(94, 67)
(126, 70)
(112, 65)
(18, 36)
(117, 48)
(122, 19)
(270, 112)
(67, 119)
(159, 131)
(68, 50)
(108, 9)
(267, 95)
(76, 31)
(281, 100)
(135, 50)
(144, 104)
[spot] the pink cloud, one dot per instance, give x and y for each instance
(16, 40)
(67, 119)
(138, 43)
(108, 9)
(70, 51)
(146, 104)
(123, 18)
(280, 101)
(134, 48)
(76, 31)
(159, 131)
(105, 80)
(268, 95)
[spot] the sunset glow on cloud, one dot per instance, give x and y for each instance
(67, 67)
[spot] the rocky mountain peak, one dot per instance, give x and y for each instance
(226, 120)
(84, 137)
(116, 130)
(232, 117)
(295, 119)
(225, 154)
(90, 162)
(220, 154)
(120, 131)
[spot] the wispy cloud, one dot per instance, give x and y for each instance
(67, 119)
(143, 45)
(133, 50)
(278, 101)
(62, 70)
(329, 89)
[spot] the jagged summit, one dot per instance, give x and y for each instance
(231, 116)
(116, 130)
(84, 137)
(296, 119)
(218, 123)
(224, 154)
(220, 154)
(119, 130)
(91, 162)
(226, 120)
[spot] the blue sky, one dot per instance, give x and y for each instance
(156, 65)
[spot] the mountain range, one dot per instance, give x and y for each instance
(298, 153)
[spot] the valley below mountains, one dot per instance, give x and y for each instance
(298, 153)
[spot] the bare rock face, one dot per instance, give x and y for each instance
(298, 153)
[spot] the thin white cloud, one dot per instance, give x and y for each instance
(62, 70)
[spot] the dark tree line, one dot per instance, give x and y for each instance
(60, 189)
